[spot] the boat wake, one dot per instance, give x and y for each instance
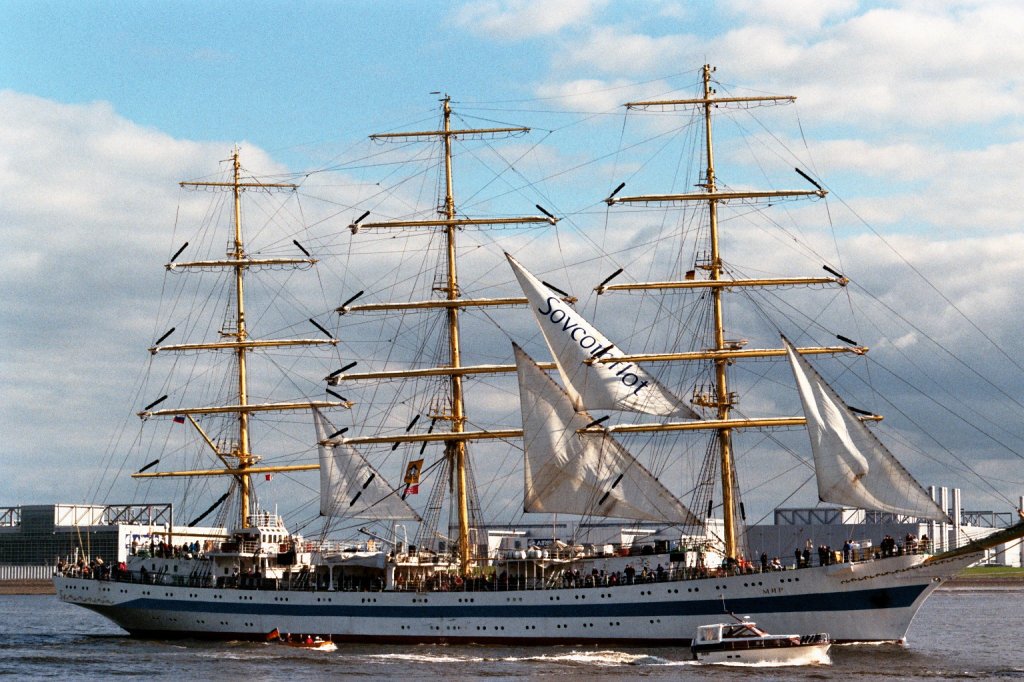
(571, 658)
(426, 658)
(600, 658)
(812, 658)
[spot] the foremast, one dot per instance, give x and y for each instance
(456, 438)
(240, 461)
(722, 353)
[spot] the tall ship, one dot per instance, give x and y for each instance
(600, 431)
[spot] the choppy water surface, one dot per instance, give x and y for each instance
(959, 634)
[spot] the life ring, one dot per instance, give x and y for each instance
(458, 581)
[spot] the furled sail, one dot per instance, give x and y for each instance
(853, 467)
(349, 486)
(574, 341)
(574, 473)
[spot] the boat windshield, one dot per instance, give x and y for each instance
(742, 630)
(709, 633)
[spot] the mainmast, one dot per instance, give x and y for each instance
(724, 402)
(721, 353)
(449, 224)
(239, 461)
(455, 450)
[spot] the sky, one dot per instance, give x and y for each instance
(911, 112)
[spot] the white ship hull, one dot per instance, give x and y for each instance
(864, 602)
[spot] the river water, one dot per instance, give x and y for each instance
(959, 634)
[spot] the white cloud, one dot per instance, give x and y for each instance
(927, 65)
(928, 187)
(675, 10)
(610, 50)
(88, 212)
(794, 15)
(902, 160)
(523, 19)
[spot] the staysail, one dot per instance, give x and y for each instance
(350, 486)
(853, 467)
(575, 343)
(575, 473)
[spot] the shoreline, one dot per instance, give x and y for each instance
(26, 587)
(45, 587)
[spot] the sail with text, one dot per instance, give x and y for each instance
(350, 486)
(852, 466)
(576, 344)
(582, 473)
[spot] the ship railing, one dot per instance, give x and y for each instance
(864, 552)
(332, 547)
(265, 520)
(241, 546)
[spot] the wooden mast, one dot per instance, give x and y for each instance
(238, 261)
(721, 353)
(455, 450)
(724, 401)
(455, 440)
(244, 455)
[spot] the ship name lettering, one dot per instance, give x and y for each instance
(560, 318)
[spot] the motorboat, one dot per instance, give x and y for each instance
(742, 642)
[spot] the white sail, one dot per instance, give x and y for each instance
(853, 467)
(574, 343)
(349, 486)
(574, 473)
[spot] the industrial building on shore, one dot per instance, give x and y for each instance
(34, 538)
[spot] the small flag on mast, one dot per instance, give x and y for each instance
(179, 419)
(412, 471)
(412, 477)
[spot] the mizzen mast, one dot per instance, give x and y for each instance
(722, 353)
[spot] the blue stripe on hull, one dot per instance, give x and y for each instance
(419, 639)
